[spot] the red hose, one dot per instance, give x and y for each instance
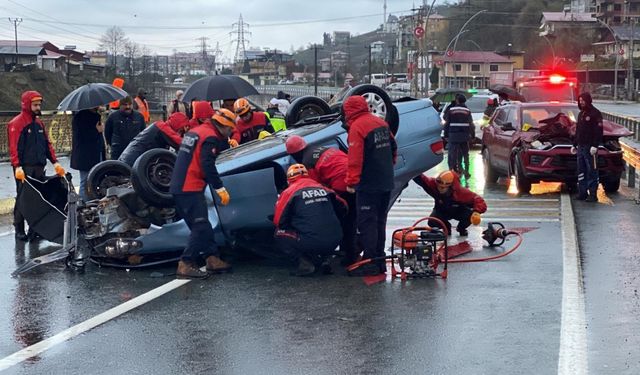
(494, 257)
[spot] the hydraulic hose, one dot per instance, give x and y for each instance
(493, 257)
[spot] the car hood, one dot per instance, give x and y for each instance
(561, 127)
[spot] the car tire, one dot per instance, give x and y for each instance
(611, 184)
(151, 177)
(522, 182)
(104, 175)
(490, 173)
(379, 104)
(304, 107)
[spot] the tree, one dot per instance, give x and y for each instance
(113, 41)
(132, 51)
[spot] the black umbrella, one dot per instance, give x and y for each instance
(449, 94)
(91, 95)
(508, 91)
(219, 88)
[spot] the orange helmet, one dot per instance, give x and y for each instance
(296, 171)
(445, 180)
(241, 106)
(225, 117)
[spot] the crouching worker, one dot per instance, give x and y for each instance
(195, 168)
(160, 134)
(452, 201)
(307, 219)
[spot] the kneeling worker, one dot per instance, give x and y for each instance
(195, 168)
(328, 166)
(250, 122)
(307, 221)
(452, 201)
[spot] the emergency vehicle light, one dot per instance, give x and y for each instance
(557, 78)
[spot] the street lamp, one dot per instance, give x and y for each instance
(553, 51)
(458, 36)
(484, 63)
(615, 44)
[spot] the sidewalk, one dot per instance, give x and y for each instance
(8, 185)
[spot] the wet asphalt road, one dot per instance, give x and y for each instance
(485, 318)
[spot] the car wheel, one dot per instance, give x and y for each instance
(611, 184)
(490, 174)
(522, 183)
(105, 175)
(304, 107)
(379, 104)
(151, 177)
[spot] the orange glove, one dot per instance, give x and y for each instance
(20, 174)
(224, 196)
(59, 169)
(475, 218)
(233, 142)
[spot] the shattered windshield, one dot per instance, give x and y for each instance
(532, 115)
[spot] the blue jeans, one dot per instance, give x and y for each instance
(83, 185)
(587, 173)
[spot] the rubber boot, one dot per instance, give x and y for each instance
(305, 267)
(187, 270)
(32, 236)
(217, 265)
(20, 234)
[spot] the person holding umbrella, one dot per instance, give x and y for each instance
(87, 144)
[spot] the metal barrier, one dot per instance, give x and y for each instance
(631, 148)
(630, 123)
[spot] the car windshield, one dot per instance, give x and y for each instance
(532, 115)
(547, 92)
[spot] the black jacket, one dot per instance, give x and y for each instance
(120, 129)
(87, 144)
(156, 135)
(458, 127)
(589, 125)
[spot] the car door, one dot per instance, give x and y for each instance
(503, 138)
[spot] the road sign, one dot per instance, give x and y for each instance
(449, 53)
(621, 52)
(588, 58)
(418, 32)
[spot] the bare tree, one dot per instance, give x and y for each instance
(113, 40)
(132, 51)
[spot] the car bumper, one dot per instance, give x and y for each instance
(559, 165)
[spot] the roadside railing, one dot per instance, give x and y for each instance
(630, 147)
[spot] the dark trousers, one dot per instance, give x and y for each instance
(295, 245)
(349, 228)
(457, 153)
(460, 213)
(35, 171)
(192, 207)
(587, 173)
(371, 211)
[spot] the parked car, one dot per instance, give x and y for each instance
(533, 142)
(399, 86)
(133, 222)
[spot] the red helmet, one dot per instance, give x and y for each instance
(295, 144)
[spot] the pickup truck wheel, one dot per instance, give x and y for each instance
(522, 183)
(306, 106)
(490, 174)
(104, 175)
(379, 104)
(611, 184)
(151, 177)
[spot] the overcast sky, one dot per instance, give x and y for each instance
(82, 22)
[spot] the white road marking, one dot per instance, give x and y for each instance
(535, 219)
(526, 209)
(69, 333)
(573, 332)
(533, 200)
(6, 233)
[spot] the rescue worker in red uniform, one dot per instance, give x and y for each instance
(160, 134)
(195, 168)
(307, 219)
(29, 149)
(250, 123)
(328, 166)
(452, 201)
(372, 154)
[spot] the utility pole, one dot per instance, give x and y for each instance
(369, 64)
(315, 69)
(16, 21)
(205, 57)
(393, 61)
(630, 77)
(241, 39)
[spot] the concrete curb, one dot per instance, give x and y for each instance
(6, 205)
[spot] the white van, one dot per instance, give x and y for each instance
(178, 81)
(378, 79)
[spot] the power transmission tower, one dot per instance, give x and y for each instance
(241, 41)
(217, 53)
(205, 57)
(16, 21)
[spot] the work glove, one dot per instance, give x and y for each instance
(350, 190)
(20, 174)
(263, 134)
(224, 196)
(593, 150)
(59, 169)
(574, 150)
(475, 218)
(233, 142)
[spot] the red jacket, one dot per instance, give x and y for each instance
(372, 148)
(246, 131)
(328, 166)
(28, 140)
(195, 165)
(459, 194)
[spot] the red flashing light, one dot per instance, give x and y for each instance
(556, 78)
